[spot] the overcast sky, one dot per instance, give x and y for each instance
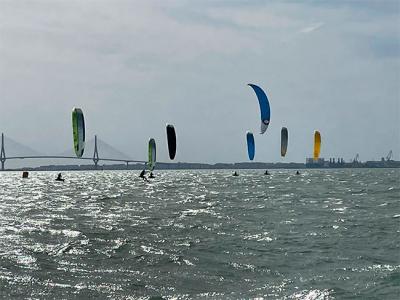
(133, 66)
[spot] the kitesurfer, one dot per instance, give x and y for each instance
(266, 172)
(142, 175)
(235, 174)
(297, 173)
(59, 178)
(151, 175)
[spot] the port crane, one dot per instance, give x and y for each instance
(389, 156)
(355, 160)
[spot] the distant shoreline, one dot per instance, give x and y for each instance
(217, 166)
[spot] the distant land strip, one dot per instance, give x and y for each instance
(217, 166)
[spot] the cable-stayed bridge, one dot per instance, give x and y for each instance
(29, 153)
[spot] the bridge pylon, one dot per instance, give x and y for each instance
(2, 153)
(96, 153)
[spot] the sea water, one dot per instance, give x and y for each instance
(323, 234)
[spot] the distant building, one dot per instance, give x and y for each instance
(316, 163)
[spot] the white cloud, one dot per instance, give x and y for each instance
(255, 17)
(312, 27)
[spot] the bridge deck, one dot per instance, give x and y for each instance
(73, 157)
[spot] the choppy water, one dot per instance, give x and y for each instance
(326, 234)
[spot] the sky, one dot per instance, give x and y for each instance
(133, 66)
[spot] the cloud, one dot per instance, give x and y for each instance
(312, 27)
(252, 18)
